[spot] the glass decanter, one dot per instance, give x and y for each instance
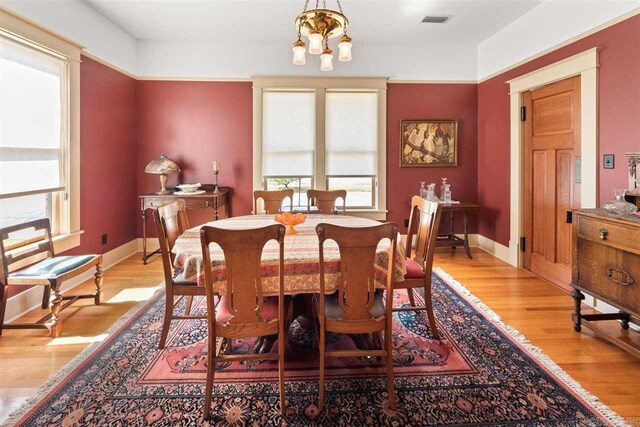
(446, 193)
(431, 192)
(423, 191)
(444, 182)
(620, 206)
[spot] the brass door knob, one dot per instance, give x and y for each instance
(604, 233)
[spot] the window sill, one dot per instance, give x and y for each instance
(64, 242)
(375, 214)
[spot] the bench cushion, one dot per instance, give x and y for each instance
(52, 268)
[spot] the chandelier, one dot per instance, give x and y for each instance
(320, 25)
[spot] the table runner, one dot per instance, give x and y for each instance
(301, 255)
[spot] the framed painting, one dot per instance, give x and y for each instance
(428, 143)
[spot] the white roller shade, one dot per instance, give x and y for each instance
(288, 133)
(351, 133)
(31, 102)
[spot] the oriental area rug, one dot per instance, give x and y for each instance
(481, 372)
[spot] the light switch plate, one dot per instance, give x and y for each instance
(608, 161)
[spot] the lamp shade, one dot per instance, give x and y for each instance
(162, 166)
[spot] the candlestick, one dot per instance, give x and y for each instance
(216, 166)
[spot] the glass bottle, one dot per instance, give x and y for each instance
(431, 192)
(620, 206)
(446, 193)
(423, 191)
(444, 181)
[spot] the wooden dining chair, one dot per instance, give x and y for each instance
(272, 200)
(424, 221)
(50, 272)
(356, 308)
(242, 310)
(171, 221)
(326, 200)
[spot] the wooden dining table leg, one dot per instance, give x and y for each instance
(466, 235)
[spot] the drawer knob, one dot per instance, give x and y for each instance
(207, 203)
(604, 233)
(619, 276)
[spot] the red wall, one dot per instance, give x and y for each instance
(619, 120)
(195, 123)
(431, 101)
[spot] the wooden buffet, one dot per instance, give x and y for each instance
(606, 265)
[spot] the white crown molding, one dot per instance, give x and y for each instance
(109, 65)
(562, 44)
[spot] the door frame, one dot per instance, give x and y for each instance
(585, 65)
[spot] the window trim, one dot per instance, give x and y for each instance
(36, 36)
(321, 85)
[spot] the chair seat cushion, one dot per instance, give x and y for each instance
(269, 309)
(414, 270)
(178, 278)
(52, 268)
(332, 307)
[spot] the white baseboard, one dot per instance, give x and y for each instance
(152, 244)
(496, 249)
(20, 304)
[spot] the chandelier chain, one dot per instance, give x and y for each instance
(346, 27)
(306, 6)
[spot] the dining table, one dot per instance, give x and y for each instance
(301, 255)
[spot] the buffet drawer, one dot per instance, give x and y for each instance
(610, 234)
(610, 274)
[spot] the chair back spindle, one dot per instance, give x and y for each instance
(326, 201)
(358, 247)
(43, 248)
(272, 200)
(242, 251)
(423, 227)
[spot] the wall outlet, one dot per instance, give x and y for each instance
(608, 161)
(104, 239)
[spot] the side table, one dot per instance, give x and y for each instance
(211, 199)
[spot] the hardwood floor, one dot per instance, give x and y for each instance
(538, 309)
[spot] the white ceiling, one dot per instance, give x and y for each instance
(371, 21)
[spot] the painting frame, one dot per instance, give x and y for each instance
(451, 124)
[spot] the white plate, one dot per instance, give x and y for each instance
(184, 193)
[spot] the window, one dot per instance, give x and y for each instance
(351, 150)
(288, 135)
(322, 134)
(38, 109)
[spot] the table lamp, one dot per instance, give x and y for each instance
(162, 166)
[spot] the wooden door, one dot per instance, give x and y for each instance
(551, 187)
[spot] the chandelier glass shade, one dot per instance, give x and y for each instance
(319, 25)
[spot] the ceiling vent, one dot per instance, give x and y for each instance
(435, 19)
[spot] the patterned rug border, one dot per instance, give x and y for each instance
(535, 352)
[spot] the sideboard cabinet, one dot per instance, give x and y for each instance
(606, 265)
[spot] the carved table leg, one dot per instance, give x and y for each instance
(55, 304)
(97, 279)
(466, 235)
(624, 322)
(576, 316)
(453, 232)
(144, 236)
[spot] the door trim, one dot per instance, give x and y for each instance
(585, 65)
